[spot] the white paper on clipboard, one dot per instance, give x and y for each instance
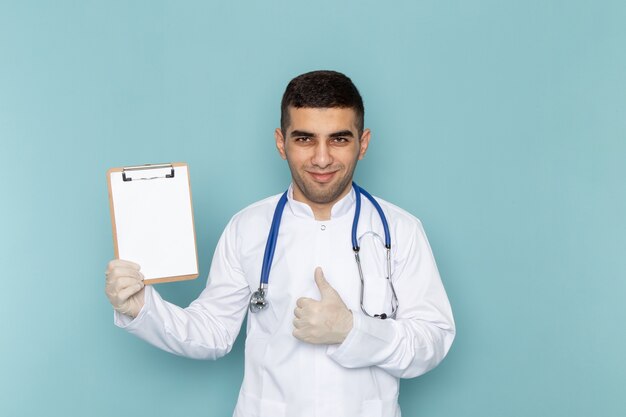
(152, 218)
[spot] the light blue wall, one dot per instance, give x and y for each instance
(501, 124)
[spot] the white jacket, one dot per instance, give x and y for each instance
(287, 377)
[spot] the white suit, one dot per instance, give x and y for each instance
(283, 375)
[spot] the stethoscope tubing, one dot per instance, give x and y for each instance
(270, 247)
(258, 300)
(357, 214)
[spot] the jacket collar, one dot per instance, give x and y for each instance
(339, 209)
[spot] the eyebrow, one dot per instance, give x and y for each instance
(300, 133)
(342, 133)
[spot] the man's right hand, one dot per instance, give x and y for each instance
(125, 287)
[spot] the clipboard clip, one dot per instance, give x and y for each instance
(126, 178)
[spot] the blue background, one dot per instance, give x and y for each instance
(501, 124)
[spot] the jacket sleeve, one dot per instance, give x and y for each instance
(422, 333)
(207, 329)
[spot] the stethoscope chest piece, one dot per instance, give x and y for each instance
(258, 301)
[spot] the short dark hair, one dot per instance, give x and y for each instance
(321, 89)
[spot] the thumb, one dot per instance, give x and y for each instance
(326, 290)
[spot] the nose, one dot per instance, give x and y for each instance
(322, 157)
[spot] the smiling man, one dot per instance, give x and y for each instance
(354, 301)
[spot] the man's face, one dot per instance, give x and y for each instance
(322, 147)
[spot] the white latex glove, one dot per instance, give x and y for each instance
(327, 321)
(125, 287)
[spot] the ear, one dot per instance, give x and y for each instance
(364, 143)
(280, 142)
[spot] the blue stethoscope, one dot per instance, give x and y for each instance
(258, 300)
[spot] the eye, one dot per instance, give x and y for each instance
(341, 139)
(303, 139)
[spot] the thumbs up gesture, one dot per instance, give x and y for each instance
(327, 321)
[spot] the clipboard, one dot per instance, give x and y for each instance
(152, 219)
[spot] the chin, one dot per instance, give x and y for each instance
(325, 193)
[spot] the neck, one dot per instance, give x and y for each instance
(321, 211)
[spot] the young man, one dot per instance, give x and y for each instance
(330, 340)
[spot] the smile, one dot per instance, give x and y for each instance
(322, 177)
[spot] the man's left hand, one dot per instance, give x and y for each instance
(327, 321)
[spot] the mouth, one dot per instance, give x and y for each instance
(322, 177)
